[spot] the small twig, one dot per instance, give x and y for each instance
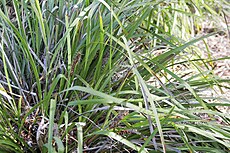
(225, 19)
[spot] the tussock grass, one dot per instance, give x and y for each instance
(99, 76)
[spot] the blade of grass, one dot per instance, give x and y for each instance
(147, 98)
(80, 136)
(51, 124)
(120, 139)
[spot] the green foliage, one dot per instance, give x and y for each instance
(111, 65)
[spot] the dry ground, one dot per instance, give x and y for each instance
(219, 46)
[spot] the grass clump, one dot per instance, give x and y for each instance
(103, 76)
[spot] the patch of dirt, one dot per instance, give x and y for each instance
(219, 46)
